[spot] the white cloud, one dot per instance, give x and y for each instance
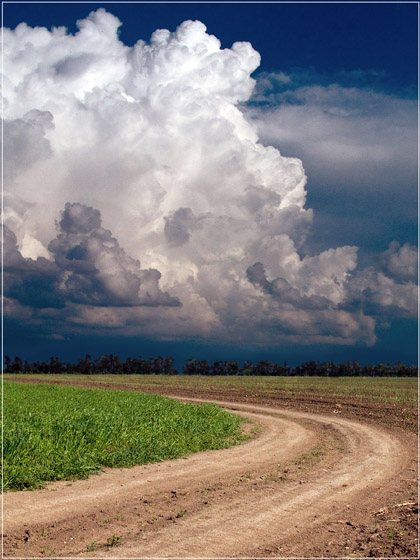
(366, 136)
(401, 261)
(379, 295)
(153, 139)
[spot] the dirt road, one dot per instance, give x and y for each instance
(305, 485)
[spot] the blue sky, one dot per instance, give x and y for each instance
(153, 200)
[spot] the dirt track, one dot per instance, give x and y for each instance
(306, 485)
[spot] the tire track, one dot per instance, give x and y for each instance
(372, 457)
(236, 527)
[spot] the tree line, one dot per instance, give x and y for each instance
(110, 363)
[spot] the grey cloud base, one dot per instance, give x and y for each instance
(91, 282)
(88, 267)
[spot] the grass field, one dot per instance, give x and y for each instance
(54, 432)
(392, 400)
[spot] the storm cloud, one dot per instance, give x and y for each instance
(88, 267)
(152, 141)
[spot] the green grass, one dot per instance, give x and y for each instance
(389, 400)
(54, 432)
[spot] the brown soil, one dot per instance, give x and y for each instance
(307, 485)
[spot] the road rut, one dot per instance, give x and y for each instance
(266, 497)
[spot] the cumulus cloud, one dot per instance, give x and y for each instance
(89, 267)
(25, 141)
(389, 290)
(401, 261)
(153, 141)
(179, 225)
(381, 296)
(281, 290)
(29, 282)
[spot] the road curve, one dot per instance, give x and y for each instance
(222, 517)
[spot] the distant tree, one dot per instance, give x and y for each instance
(218, 368)
(85, 366)
(7, 363)
(354, 368)
(281, 370)
(111, 363)
(146, 367)
(102, 364)
(412, 371)
(324, 369)
(116, 364)
(156, 365)
(196, 367)
(168, 366)
(286, 368)
(382, 370)
(334, 370)
(231, 368)
(247, 368)
(190, 367)
(343, 370)
(129, 365)
(401, 370)
(264, 368)
(307, 368)
(54, 365)
(203, 367)
(16, 366)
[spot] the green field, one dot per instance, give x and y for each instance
(389, 400)
(54, 432)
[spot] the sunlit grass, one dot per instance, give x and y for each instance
(53, 432)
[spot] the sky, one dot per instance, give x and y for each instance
(219, 181)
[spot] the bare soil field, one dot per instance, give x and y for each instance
(318, 479)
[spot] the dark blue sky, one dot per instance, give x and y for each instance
(326, 36)
(341, 53)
